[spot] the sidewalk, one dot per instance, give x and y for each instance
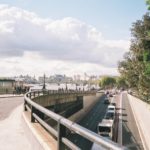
(141, 112)
(11, 95)
(12, 133)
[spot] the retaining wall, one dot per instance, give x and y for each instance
(88, 103)
(141, 112)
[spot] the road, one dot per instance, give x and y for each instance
(90, 122)
(7, 105)
(131, 137)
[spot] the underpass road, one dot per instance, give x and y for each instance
(90, 121)
(7, 105)
(131, 137)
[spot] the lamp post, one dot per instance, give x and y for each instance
(66, 87)
(44, 86)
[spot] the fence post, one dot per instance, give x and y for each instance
(32, 111)
(30, 95)
(61, 134)
(25, 109)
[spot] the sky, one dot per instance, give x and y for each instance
(65, 37)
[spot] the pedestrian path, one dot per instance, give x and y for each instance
(11, 95)
(12, 133)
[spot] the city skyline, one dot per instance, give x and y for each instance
(61, 38)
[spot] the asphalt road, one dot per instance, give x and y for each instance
(7, 105)
(90, 121)
(131, 137)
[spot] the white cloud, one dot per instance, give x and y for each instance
(69, 41)
(33, 64)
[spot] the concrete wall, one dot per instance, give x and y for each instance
(88, 103)
(48, 100)
(141, 111)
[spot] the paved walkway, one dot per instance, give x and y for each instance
(11, 95)
(12, 134)
(8, 104)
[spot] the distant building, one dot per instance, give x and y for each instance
(7, 86)
(7, 83)
(58, 78)
(20, 80)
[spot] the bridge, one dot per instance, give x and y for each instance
(65, 128)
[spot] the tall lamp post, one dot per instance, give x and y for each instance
(44, 86)
(76, 87)
(66, 87)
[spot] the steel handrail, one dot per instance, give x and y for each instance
(66, 124)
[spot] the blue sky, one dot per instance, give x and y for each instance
(65, 36)
(114, 17)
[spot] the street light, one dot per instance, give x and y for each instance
(44, 86)
(66, 87)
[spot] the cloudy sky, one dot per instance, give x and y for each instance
(65, 37)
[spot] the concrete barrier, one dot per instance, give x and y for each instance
(141, 111)
(48, 100)
(88, 103)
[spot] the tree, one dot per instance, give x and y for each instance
(107, 82)
(148, 3)
(135, 67)
(121, 83)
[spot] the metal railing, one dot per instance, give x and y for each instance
(64, 124)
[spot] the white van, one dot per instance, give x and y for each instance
(105, 128)
(111, 107)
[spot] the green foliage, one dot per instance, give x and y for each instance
(148, 4)
(147, 69)
(107, 82)
(146, 56)
(121, 82)
(135, 68)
